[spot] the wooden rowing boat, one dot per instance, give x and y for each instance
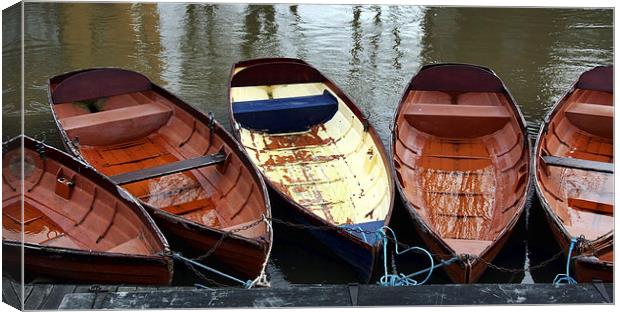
(461, 159)
(324, 162)
(77, 225)
(574, 172)
(185, 168)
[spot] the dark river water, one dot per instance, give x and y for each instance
(371, 52)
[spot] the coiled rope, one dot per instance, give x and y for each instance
(400, 279)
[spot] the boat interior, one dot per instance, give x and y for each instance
(136, 125)
(309, 144)
(64, 209)
(580, 132)
(460, 155)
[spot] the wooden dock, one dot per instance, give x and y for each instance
(57, 296)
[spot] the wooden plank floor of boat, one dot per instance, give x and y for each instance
(186, 194)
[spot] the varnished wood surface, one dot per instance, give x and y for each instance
(461, 159)
(76, 224)
(123, 130)
(578, 199)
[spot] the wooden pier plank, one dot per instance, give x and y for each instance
(341, 295)
(10, 293)
(52, 301)
(37, 296)
(102, 294)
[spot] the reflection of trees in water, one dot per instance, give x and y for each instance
(398, 54)
(200, 29)
(356, 37)
(375, 39)
(259, 25)
(145, 25)
(302, 51)
(11, 70)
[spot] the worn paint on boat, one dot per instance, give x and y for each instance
(321, 157)
(461, 159)
(120, 122)
(579, 200)
(76, 224)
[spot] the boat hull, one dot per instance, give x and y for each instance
(360, 256)
(583, 114)
(588, 270)
(186, 134)
(83, 267)
(312, 142)
(243, 258)
(58, 226)
(474, 161)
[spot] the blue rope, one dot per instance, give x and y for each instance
(400, 279)
(566, 277)
(247, 284)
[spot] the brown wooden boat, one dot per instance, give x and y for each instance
(575, 175)
(461, 159)
(185, 168)
(324, 162)
(77, 225)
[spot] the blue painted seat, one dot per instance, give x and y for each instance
(284, 115)
(366, 227)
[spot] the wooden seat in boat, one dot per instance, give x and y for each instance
(593, 118)
(576, 163)
(116, 125)
(601, 202)
(449, 120)
(170, 168)
(285, 115)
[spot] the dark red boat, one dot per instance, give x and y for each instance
(575, 173)
(185, 168)
(461, 159)
(76, 224)
(324, 162)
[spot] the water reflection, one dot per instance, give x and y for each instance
(369, 51)
(260, 29)
(356, 37)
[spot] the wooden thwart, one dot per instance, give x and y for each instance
(166, 169)
(579, 164)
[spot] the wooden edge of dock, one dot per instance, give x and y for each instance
(81, 297)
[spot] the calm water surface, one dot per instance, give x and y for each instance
(369, 51)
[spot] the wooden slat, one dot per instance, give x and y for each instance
(579, 164)
(341, 295)
(38, 295)
(167, 169)
(53, 300)
(11, 293)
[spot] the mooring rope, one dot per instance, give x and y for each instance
(394, 279)
(261, 279)
(246, 284)
(565, 277)
(400, 279)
